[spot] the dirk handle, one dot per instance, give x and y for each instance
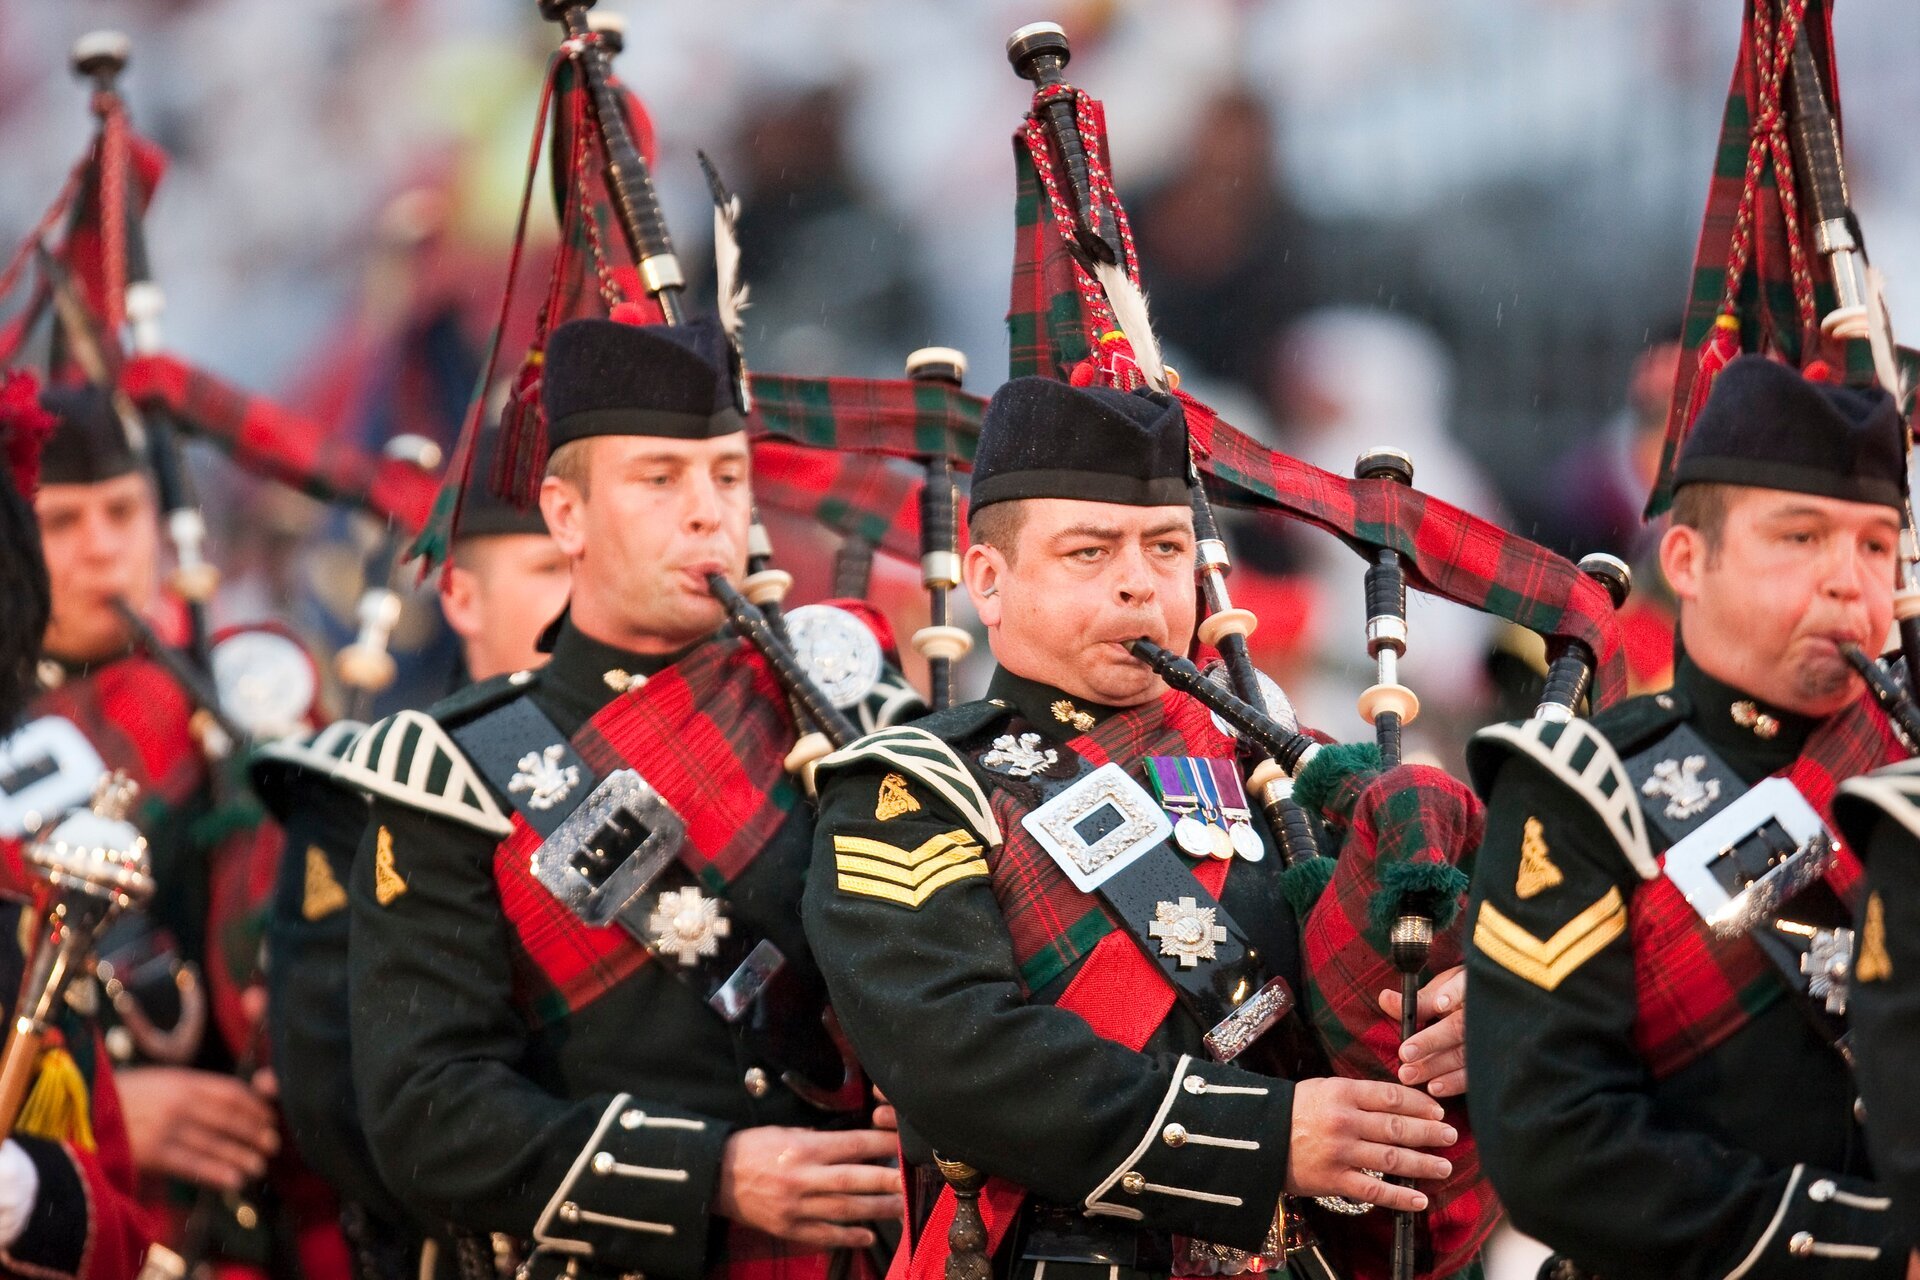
(629, 181)
(1039, 52)
(1570, 674)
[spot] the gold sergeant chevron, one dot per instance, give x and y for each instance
(875, 869)
(1547, 963)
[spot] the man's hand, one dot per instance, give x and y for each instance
(1342, 1127)
(198, 1126)
(806, 1185)
(1437, 1055)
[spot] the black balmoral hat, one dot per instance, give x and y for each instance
(88, 444)
(606, 378)
(1766, 426)
(1045, 439)
(484, 513)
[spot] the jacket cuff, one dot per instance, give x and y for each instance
(1826, 1225)
(60, 1227)
(638, 1196)
(1212, 1162)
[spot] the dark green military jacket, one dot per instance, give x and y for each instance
(604, 1128)
(1880, 815)
(1748, 1160)
(911, 924)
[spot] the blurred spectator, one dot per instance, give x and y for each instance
(1599, 488)
(1344, 381)
(1227, 259)
(833, 274)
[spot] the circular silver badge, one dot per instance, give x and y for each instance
(1279, 706)
(266, 681)
(837, 650)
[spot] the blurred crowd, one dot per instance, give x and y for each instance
(1461, 229)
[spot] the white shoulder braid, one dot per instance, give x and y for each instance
(931, 762)
(1585, 762)
(409, 759)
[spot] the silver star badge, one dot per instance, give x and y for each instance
(542, 774)
(1186, 929)
(687, 925)
(1827, 965)
(1687, 793)
(1020, 757)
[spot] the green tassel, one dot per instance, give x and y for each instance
(1304, 882)
(1330, 766)
(1433, 887)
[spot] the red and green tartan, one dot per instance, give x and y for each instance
(137, 718)
(1446, 551)
(1697, 989)
(710, 734)
(1765, 299)
(898, 418)
(1053, 924)
(1410, 814)
(275, 442)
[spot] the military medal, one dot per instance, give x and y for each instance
(1238, 813)
(1173, 781)
(1219, 839)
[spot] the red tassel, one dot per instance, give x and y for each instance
(25, 428)
(629, 313)
(522, 458)
(1720, 349)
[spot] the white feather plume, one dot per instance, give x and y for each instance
(726, 266)
(1130, 313)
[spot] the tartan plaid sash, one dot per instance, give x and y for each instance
(137, 718)
(709, 734)
(1054, 925)
(1697, 989)
(1121, 994)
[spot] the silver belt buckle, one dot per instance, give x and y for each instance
(47, 767)
(1695, 864)
(1097, 826)
(1250, 1020)
(597, 882)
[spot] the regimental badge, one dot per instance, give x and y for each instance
(388, 883)
(324, 896)
(1873, 964)
(542, 774)
(621, 681)
(1186, 930)
(1066, 713)
(1687, 793)
(894, 799)
(1537, 871)
(687, 925)
(1020, 757)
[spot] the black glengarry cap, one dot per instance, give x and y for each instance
(1766, 426)
(606, 378)
(1042, 438)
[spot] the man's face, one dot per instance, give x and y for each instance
(1794, 578)
(499, 593)
(1085, 578)
(102, 542)
(658, 516)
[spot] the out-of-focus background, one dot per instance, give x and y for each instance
(1460, 228)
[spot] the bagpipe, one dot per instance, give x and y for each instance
(1384, 910)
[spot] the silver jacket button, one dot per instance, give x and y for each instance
(1133, 1182)
(1174, 1135)
(1822, 1191)
(757, 1083)
(1801, 1246)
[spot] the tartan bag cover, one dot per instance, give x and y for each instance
(710, 734)
(1418, 814)
(1695, 988)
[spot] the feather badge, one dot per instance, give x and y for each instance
(1130, 313)
(731, 289)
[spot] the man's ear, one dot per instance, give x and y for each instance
(983, 570)
(560, 506)
(460, 600)
(1683, 558)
